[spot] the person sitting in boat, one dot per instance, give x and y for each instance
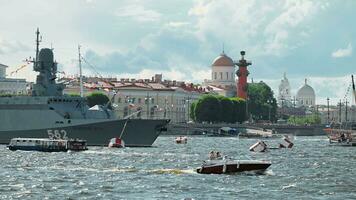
(212, 155)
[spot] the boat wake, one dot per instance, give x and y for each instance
(172, 171)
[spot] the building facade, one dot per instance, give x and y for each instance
(337, 114)
(11, 86)
(306, 96)
(147, 98)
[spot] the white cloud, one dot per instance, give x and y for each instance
(138, 13)
(7, 47)
(343, 52)
(177, 24)
(268, 28)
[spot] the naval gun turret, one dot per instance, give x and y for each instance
(46, 80)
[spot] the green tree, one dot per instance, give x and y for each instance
(261, 103)
(207, 109)
(74, 95)
(227, 110)
(239, 109)
(218, 109)
(192, 110)
(302, 120)
(97, 98)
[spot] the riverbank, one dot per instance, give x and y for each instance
(200, 129)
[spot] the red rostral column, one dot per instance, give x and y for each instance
(242, 73)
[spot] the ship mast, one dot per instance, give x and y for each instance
(353, 87)
(38, 40)
(80, 72)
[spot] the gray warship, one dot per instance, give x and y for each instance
(48, 113)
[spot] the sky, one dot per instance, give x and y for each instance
(306, 39)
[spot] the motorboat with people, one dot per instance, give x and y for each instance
(116, 143)
(47, 145)
(221, 164)
(181, 140)
(341, 137)
(226, 166)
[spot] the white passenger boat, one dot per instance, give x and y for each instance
(46, 145)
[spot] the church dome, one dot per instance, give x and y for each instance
(223, 60)
(306, 91)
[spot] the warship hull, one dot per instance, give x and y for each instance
(134, 132)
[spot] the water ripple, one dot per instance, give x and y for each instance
(311, 170)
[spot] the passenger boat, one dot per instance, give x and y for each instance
(46, 145)
(232, 166)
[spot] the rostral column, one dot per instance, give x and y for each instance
(242, 73)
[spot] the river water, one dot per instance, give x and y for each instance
(310, 170)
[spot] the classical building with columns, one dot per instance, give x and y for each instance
(223, 78)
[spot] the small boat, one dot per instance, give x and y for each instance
(116, 143)
(341, 137)
(233, 166)
(181, 140)
(46, 144)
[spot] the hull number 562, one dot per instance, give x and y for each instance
(57, 134)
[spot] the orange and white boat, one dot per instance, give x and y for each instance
(181, 140)
(116, 143)
(342, 137)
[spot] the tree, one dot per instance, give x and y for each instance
(97, 98)
(261, 103)
(74, 95)
(207, 109)
(303, 120)
(192, 110)
(212, 108)
(227, 110)
(239, 109)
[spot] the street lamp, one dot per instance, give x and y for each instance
(269, 102)
(247, 115)
(328, 121)
(188, 100)
(147, 101)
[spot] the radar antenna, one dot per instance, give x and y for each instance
(38, 40)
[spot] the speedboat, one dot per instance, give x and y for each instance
(232, 166)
